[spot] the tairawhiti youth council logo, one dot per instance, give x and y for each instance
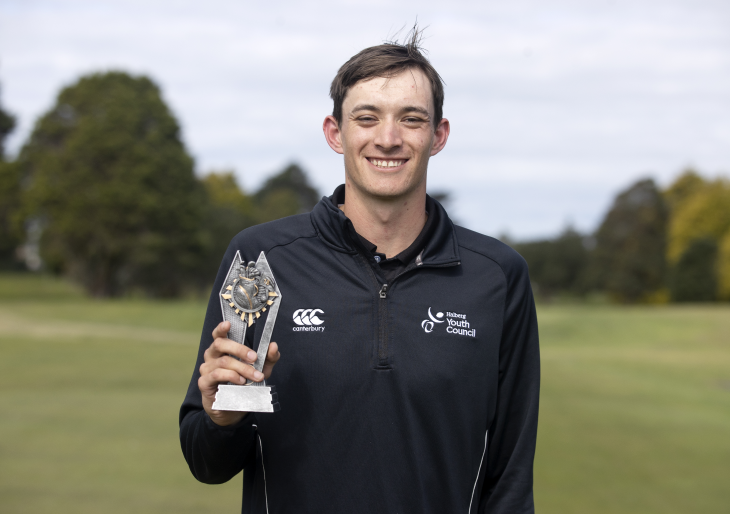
(456, 323)
(308, 320)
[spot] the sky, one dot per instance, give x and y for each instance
(555, 105)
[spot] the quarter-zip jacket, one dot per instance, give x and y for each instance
(415, 396)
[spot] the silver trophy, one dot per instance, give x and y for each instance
(248, 291)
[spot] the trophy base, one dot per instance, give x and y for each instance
(245, 398)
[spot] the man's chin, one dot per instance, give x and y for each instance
(387, 189)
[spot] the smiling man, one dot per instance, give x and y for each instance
(408, 376)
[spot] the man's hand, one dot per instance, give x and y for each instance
(220, 366)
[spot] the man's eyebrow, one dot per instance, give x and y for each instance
(409, 108)
(419, 110)
(365, 107)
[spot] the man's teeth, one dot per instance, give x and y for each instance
(387, 164)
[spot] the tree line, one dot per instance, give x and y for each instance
(104, 192)
(653, 246)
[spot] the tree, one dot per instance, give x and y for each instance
(285, 194)
(228, 210)
(723, 268)
(557, 265)
(11, 233)
(705, 213)
(686, 185)
(699, 238)
(698, 249)
(113, 187)
(10, 227)
(694, 277)
(7, 125)
(629, 258)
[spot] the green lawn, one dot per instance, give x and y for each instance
(635, 413)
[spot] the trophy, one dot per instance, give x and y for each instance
(248, 291)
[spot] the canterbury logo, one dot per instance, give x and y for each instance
(308, 317)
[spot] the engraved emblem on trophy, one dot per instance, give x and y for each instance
(248, 291)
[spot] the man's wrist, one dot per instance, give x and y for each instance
(215, 425)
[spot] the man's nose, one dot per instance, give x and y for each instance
(388, 135)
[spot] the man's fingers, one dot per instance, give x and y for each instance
(228, 369)
(210, 381)
(225, 354)
(243, 369)
(223, 346)
(229, 363)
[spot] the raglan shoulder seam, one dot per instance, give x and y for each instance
(259, 235)
(291, 242)
(519, 260)
(509, 278)
(495, 261)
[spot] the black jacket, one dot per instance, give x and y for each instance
(420, 397)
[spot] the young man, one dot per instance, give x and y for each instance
(419, 390)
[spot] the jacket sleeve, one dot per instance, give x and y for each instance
(512, 434)
(214, 454)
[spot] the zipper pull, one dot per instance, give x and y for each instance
(383, 291)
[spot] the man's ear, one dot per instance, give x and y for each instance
(332, 134)
(441, 135)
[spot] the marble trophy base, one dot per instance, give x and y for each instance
(246, 398)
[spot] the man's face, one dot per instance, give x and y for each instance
(387, 134)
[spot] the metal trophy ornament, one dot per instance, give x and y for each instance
(249, 289)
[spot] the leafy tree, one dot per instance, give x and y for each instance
(694, 277)
(114, 189)
(7, 124)
(686, 185)
(223, 191)
(705, 213)
(723, 267)
(228, 210)
(557, 265)
(700, 221)
(10, 226)
(11, 233)
(629, 258)
(285, 194)
(278, 203)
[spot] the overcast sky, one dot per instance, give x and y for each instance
(554, 105)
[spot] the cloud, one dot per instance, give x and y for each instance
(554, 105)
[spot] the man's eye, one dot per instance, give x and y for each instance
(366, 118)
(414, 120)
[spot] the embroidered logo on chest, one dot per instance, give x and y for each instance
(308, 320)
(456, 323)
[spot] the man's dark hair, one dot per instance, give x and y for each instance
(386, 61)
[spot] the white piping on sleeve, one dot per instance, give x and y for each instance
(486, 435)
(266, 495)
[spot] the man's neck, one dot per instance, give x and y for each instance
(390, 224)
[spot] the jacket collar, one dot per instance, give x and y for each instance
(336, 231)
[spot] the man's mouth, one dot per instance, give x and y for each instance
(387, 163)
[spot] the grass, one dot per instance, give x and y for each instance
(89, 395)
(635, 410)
